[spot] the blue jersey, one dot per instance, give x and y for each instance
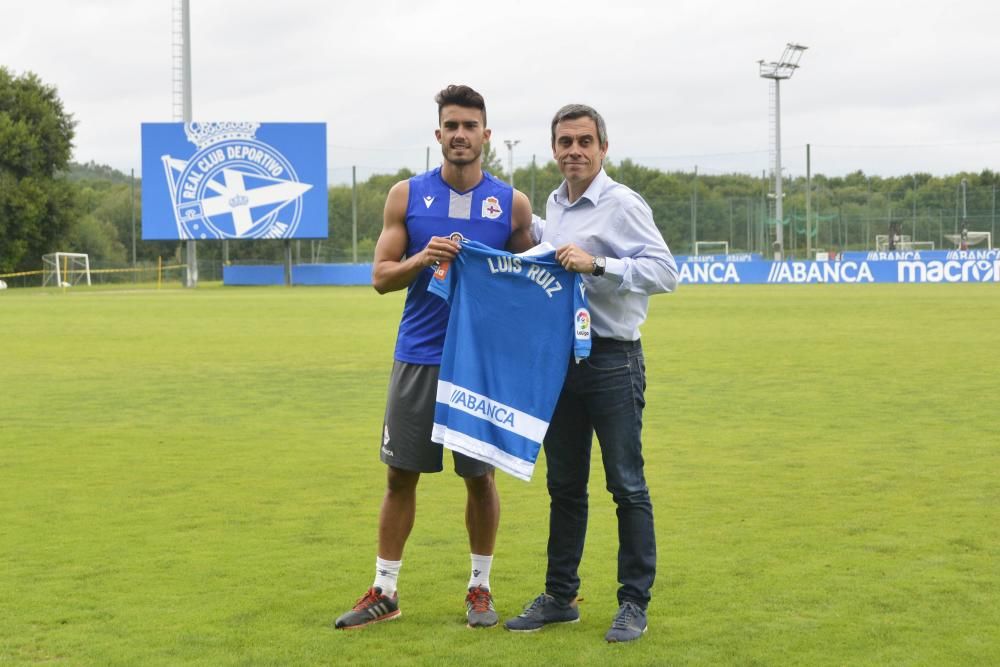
(514, 321)
(482, 214)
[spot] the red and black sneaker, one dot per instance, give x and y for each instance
(371, 607)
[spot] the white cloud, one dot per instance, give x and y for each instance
(887, 87)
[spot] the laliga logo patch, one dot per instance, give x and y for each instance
(234, 186)
(583, 324)
(491, 208)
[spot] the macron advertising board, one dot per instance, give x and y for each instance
(957, 269)
(234, 180)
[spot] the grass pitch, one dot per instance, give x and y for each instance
(192, 477)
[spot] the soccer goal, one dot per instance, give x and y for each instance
(882, 242)
(723, 245)
(977, 240)
(65, 269)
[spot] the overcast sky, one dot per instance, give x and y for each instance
(886, 87)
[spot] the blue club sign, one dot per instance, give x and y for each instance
(234, 181)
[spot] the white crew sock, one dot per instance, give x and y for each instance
(480, 571)
(386, 573)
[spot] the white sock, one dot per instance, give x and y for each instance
(386, 573)
(480, 571)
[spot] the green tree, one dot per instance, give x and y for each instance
(37, 206)
(492, 163)
(98, 238)
(104, 228)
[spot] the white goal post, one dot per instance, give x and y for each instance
(903, 243)
(65, 269)
(918, 245)
(882, 241)
(698, 245)
(973, 239)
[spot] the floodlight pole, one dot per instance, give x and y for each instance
(809, 252)
(191, 277)
(694, 212)
(964, 244)
(132, 190)
(779, 218)
(354, 213)
(510, 157)
(776, 71)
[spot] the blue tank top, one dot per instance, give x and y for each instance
(482, 214)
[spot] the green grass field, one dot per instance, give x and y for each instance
(191, 477)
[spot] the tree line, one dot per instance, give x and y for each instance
(49, 204)
(846, 212)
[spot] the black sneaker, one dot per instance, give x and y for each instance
(371, 607)
(544, 610)
(629, 623)
(479, 608)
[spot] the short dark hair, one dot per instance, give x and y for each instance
(574, 111)
(461, 96)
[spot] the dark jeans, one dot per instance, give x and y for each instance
(604, 394)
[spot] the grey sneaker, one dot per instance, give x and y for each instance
(543, 610)
(371, 607)
(479, 608)
(629, 623)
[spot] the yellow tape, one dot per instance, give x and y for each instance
(74, 271)
(148, 268)
(22, 273)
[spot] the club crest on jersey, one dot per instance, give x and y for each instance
(582, 324)
(441, 270)
(491, 208)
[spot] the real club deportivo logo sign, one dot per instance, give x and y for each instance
(234, 186)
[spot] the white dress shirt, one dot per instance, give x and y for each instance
(610, 220)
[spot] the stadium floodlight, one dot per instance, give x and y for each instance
(776, 71)
(510, 157)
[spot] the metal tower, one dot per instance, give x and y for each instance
(181, 69)
(776, 71)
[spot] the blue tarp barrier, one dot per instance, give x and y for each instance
(302, 274)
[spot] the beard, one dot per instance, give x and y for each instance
(469, 157)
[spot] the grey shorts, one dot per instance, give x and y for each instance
(409, 419)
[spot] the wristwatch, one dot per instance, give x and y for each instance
(599, 264)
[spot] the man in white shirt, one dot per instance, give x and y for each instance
(606, 231)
